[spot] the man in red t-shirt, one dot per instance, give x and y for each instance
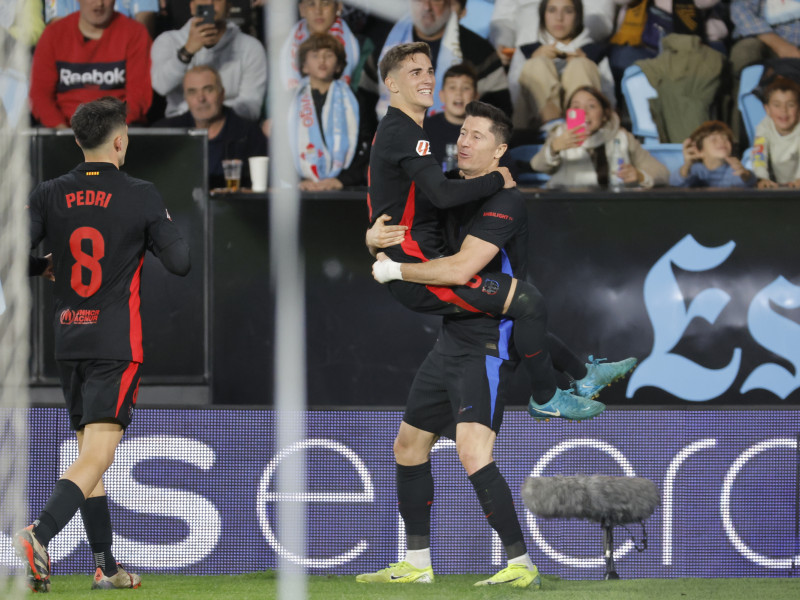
(91, 53)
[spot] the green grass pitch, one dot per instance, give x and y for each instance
(261, 586)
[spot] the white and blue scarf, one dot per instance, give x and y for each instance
(289, 73)
(449, 54)
(314, 158)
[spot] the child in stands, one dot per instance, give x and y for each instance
(708, 160)
(776, 149)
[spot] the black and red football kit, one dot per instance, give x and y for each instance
(98, 221)
(406, 183)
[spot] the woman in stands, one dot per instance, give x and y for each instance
(596, 152)
(564, 58)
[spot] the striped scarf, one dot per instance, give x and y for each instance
(316, 158)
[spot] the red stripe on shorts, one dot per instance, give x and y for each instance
(446, 294)
(125, 385)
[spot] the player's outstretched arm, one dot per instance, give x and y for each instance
(447, 193)
(457, 269)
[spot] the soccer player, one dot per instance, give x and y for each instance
(97, 221)
(407, 186)
(464, 383)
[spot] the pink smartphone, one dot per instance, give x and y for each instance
(576, 117)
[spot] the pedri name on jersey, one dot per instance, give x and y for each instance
(88, 198)
(103, 75)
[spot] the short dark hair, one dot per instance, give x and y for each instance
(397, 54)
(576, 28)
(708, 128)
(462, 4)
(782, 84)
(93, 122)
(320, 41)
(461, 70)
(501, 125)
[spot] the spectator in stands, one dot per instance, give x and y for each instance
(436, 23)
(144, 11)
(229, 135)
(516, 23)
(22, 21)
(776, 150)
(581, 156)
(88, 54)
(762, 30)
(708, 160)
(563, 58)
(643, 23)
(459, 88)
(21, 25)
(324, 119)
(239, 59)
(318, 16)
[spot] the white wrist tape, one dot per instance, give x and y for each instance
(386, 270)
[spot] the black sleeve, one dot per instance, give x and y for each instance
(447, 193)
(36, 265)
(163, 238)
(36, 215)
(500, 217)
(409, 150)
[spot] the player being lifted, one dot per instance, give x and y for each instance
(407, 187)
(97, 223)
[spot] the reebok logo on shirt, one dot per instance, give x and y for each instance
(105, 75)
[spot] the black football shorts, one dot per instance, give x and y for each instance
(485, 293)
(448, 390)
(99, 390)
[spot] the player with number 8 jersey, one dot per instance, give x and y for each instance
(96, 222)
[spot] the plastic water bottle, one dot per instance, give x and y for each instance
(615, 161)
(450, 158)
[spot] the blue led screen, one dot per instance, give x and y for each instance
(194, 491)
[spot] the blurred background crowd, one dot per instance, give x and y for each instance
(602, 93)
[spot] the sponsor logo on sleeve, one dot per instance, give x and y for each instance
(423, 147)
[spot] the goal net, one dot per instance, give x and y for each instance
(15, 303)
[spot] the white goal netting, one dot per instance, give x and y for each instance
(14, 289)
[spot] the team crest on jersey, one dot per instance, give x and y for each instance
(423, 147)
(490, 287)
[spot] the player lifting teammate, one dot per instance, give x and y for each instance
(97, 222)
(408, 186)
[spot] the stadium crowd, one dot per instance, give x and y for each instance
(556, 67)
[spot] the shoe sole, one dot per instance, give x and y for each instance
(420, 579)
(546, 418)
(596, 393)
(37, 582)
